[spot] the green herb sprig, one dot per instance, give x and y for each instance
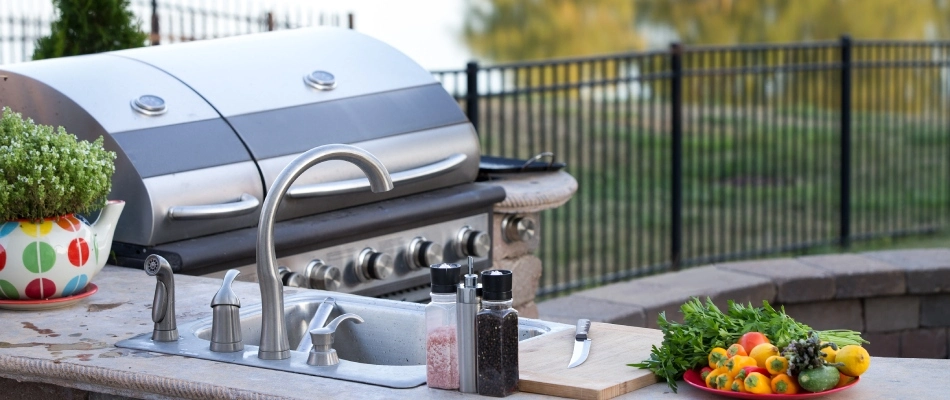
(49, 173)
(686, 346)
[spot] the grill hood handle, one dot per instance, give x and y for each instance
(247, 204)
(357, 185)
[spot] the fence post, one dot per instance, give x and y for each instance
(676, 125)
(155, 38)
(471, 93)
(844, 211)
(350, 21)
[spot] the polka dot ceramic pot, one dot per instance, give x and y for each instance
(56, 257)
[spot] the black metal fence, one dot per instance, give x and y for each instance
(171, 22)
(698, 155)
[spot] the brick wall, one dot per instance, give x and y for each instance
(899, 300)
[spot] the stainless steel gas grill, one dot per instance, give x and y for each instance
(202, 129)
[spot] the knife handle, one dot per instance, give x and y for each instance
(583, 326)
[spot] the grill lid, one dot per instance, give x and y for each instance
(203, 128)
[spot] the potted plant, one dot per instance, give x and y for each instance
(47, 176)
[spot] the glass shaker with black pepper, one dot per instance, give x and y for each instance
(497, 331)
(442, 366)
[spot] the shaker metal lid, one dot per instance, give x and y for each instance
(445, 277)
(496, 284)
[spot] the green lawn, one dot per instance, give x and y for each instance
(757, 181)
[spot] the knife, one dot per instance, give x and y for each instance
(581, 343)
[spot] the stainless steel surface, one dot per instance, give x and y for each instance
(98, 88)
(225, 320)
(388, 349)
(322, 354)
(89, 96)
(467, 302)
(274, 342)
(246, 204)
(359, 185)
(517, 228)
(423, 253)
(196, 152)
(472, 242)
(398, 153)
(215, 185)
(163, 304)
(276, 60)
(323, 276)
(581, 343)
(344, 258)
(318, 321)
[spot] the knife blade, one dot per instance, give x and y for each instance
(581, 343)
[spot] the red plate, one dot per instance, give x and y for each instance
(695, 380)
(48, 304)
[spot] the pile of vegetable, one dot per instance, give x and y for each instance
(687, 346)
(805, 365)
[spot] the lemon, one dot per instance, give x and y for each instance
(828, 353)
(762, 352)
(855, 360)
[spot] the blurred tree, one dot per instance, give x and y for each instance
(724, 22)
(514, 30)
(90, 26)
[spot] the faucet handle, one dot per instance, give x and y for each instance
(323, 353)
(226, 320)
(225, 296)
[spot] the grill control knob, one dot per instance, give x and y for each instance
(470, 242)
(423, 253)
(290, 278)
(323, 276)
(373, 265)
(516, 227)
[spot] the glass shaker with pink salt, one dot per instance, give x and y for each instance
(442, 366)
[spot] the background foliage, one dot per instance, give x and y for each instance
(90, 26)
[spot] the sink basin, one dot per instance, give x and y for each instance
(387, 349)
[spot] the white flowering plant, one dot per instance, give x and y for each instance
(46, 172)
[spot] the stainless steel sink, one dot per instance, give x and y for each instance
(387, 349)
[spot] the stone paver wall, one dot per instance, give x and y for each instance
(899, 300)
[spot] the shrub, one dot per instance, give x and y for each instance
(48, 173)
(90, 26)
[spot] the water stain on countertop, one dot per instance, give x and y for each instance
(102, 307)
(31, 326)
(81, 345)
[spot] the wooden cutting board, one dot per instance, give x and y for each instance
(542, 363)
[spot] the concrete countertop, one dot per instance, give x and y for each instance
(74, 348)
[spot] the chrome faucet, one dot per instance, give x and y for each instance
(275, 344)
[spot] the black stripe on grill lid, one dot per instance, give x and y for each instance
(181, 147)
(297, 129)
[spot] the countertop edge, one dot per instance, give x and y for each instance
(110, 381)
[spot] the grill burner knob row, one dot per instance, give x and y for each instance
(373, 265)
(423, 253)
(471, 242)
(323, 276)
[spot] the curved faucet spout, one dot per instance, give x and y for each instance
(275, 344)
